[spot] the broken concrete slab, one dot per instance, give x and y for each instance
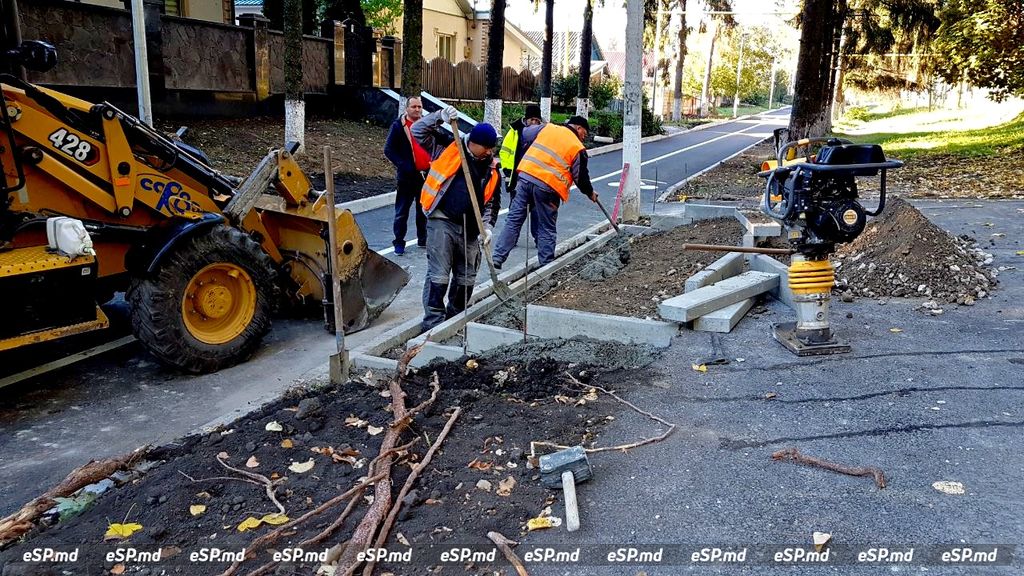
(725, 267)
(760, 229)
(484, 337)
(432, 350)
(692, 305)
(725, 319)
(546, 322)
(765, 263)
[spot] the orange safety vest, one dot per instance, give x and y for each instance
(550, 157)
(447, 165)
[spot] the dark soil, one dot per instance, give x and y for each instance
(236, 145)
(657, 268)
(901, 253)
(506, 405)
(732, 180)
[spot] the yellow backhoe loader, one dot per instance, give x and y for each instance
(94, 201)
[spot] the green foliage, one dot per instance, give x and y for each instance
(1003, 139)
(874, 29)
(603, 92)
(982, 42)
(383, 15)
(565, 88)
(606, 123)
(760, 46)
(857, 113)
(650, 124)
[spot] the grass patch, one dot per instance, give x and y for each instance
(726, 111)
(1002, 139)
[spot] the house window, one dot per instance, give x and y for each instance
(446, 46)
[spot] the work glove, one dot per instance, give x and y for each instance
(488, 234)
(450, 113)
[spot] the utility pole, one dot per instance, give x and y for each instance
(657, 62)
(632, 102)
(771, 88)
(141, 66)
(739, 68)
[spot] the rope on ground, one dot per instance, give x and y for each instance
(622, 447)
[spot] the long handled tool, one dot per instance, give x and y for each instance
(339, 362)
(607, 215)
(500, 288)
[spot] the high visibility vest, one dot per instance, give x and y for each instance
(550, 157)
(507, 154)
(447, 165)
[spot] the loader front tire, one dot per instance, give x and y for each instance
(209, 303)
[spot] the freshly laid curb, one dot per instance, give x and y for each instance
(546, 322)
(432, 351)
(369, 203)
(484, 337)
(725, 267)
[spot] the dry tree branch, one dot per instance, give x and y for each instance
(267, 483)
(505, 545)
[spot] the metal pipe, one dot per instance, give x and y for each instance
(744, 249)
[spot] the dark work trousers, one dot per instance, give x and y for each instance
(408, 196)
(452, 259)
(511, 196)
(541, 205)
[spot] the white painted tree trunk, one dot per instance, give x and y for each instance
(545, 109)
(492, 113)
(583, 107)
(632, 103)
(705, 93)
(295, 122)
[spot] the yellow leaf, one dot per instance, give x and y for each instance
(117, 569)
(249, 523)
(1020, 252)
(196, 509)
(373, 430)
(355, 422)
(539, 523)
(252, 462)
(287, 443)
(121, 531)
(274, 426)
(699, 367)
(895, 330)
(275, 519)
(302, 467)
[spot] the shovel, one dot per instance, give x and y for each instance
(500, 288)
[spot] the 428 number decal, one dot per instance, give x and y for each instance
(72, 145)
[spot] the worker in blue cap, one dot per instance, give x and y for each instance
(453, 250)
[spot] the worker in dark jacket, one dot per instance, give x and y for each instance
(555, 159)
(453, 251)
(411, 164)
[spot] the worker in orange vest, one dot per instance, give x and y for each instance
(453, 253)
(555, 159)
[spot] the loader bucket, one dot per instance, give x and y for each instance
(369, 282)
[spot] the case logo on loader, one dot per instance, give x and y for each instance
(72, 145)
(173, 198)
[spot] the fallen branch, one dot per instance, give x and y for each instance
(435, 386)
(505, 545)
(267, 483)
(420, 466)
(17, 524)
(622, 447)
(795, 455)
(272, 536)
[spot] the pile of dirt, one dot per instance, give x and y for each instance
(902, 254)
(657, 269)
(734, 179)
(482, 478)
(236, 145)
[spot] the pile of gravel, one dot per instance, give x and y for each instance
(902, 254)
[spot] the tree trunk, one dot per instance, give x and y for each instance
(495, 55)
(583, 91)
(677, 92)
(545, 65)
(294, 105)
(811, 96)
(632, 103)
(705, 93)
(412, 49)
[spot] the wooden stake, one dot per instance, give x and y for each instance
(339, 361)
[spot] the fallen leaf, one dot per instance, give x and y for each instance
(197, 509)
(169, 551)
(249, 524)
(121, 531)
(1020, 252)
(432, 501)
(275, 519)
(895, 330)
(223, 455)
(355, 422)
(949, 487)
(252, 462)
(117, 569)
(591, 396)
(204, 495)
(472, 364)
(699, 367)
(505, 486)
(480, 465)
(542, 522)
(274, 426)
(820, 540)
(373, 430)
(401, 538)
(484, 485)
(287, 443)
(562, 399)
(274, 475)
(302, 467)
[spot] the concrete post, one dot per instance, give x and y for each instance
(259, 51)
(632, 102)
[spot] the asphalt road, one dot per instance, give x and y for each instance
(123, 399)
